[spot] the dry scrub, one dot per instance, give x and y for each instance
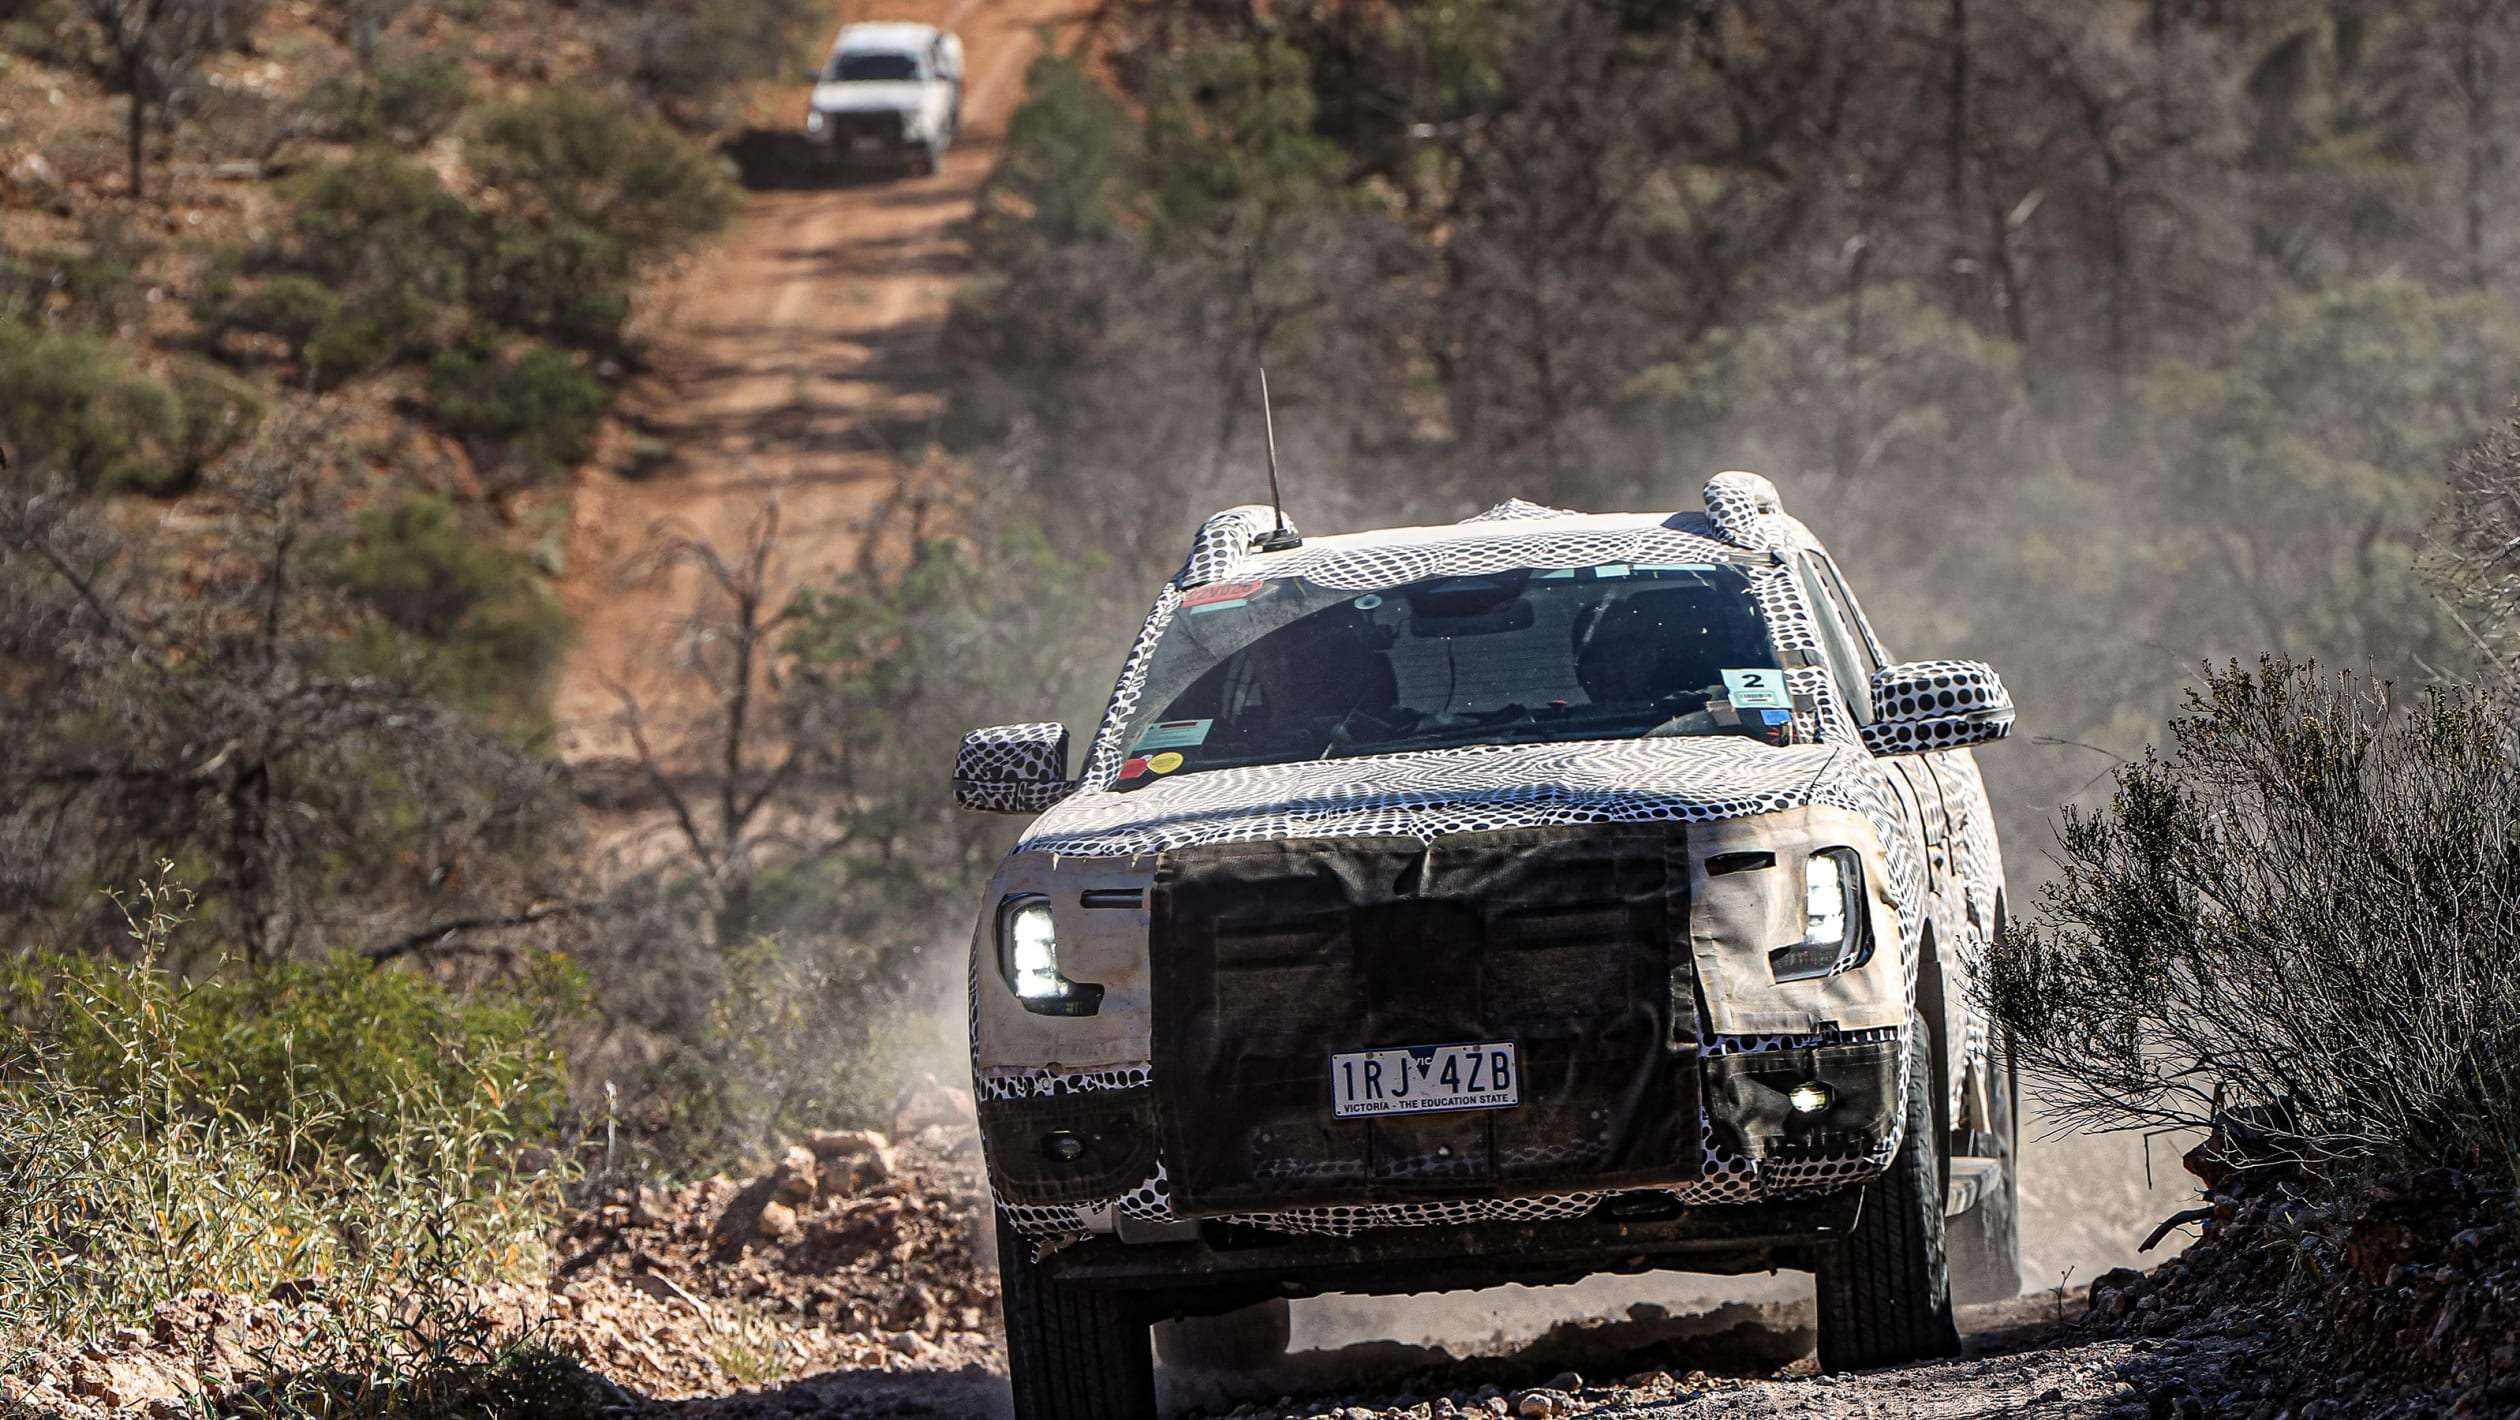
(2306, 909)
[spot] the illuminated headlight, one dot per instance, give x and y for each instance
(815, 122)
(1833, 919)
(1824, 901)
(1028, 957)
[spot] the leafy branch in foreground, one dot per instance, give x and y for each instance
(2306, 907)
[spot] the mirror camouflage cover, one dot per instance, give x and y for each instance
(1145, 806)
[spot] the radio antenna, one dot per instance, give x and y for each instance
(1280, 538)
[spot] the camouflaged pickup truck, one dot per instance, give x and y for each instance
(1536, 896)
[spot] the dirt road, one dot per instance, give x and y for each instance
(1679, 1368)
(797, 359)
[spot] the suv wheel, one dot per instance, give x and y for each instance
(1986, 1240)
(1072, 1353)
(1885, 1292)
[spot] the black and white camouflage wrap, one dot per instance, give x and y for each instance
(1952, 892)
(1012, 769)
(1930, 705)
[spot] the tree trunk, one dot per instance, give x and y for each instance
(1956, 154)
(136, 130)
(2476, 70)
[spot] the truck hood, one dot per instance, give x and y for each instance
(1435, 792)
(901, 96)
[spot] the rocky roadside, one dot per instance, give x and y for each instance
(852, 1254)
(2394, 1299)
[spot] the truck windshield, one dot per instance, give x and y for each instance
(1281, 670)
(873, 67)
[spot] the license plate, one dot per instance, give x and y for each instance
(864, 144)
(1425, 1079)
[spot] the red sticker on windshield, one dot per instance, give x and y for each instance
(1218, 592)
(1133, 768)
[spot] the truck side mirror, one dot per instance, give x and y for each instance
(1012, 769)
(1920, 706)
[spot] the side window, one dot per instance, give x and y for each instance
(1849, 660)
(1853, 610)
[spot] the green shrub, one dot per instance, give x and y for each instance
(529, 412)
(564, 281)
(339, 1127)
(468, 614)
(567, 155)
(376, 223)
(290, 308)
(406, 103)
(331, 1050)
(94, 285)
(364, 339)
(691, 58)
(70, 403)
(218, 410)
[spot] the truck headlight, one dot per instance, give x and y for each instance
(1834, 922)
(815, 122)
(1028, 957)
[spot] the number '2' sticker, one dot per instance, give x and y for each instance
(1756, 690)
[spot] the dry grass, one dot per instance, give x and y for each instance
(133, 1187)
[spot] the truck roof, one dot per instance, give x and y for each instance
(889, 36)
(1743, 516)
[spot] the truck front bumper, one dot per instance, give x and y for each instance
(1613, 1237)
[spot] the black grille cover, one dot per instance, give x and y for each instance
(1270, 957)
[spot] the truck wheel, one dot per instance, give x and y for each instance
(1237, 1343)
(1885, 1292)
(1986, 1240)
(1072, 1353)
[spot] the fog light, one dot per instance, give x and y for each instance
(1808, 1097)
(1062, 1147)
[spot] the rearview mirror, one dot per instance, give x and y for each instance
(1919, 706)
(1012, 769)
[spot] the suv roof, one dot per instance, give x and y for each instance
(1744, 514)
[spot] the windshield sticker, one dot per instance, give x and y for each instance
(1173, 734)
(1133, 768)
(1675, 566)
(1756, 690)
(1166, 762)
(1222, 596)
(1563, 574)
(1608, 570)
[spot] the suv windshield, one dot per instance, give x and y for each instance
(1282, 670)
(869, 67)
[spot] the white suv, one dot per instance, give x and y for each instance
(889, 94)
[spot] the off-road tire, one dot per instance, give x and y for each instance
(1885, 1292)
(1986, 1240)
(1072, 1353)
(1238, 1342)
